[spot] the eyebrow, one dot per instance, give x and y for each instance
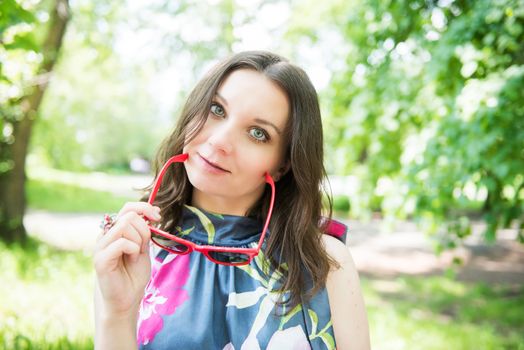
(222, 98)
(266, 122)
(258, 120)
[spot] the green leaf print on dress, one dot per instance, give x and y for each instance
(185, 232)
(206, 223)
(323, 333)
(244, 300)
(268, 297)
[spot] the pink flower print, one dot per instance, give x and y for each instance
(163, 295)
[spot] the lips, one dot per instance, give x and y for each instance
(212, 164)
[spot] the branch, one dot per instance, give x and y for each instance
(59, 17)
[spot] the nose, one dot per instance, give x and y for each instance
(221, 137)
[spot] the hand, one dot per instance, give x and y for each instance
(121, 259)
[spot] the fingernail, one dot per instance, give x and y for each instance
(157, 216)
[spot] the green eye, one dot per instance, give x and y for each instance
(217, 110)
(258, 134)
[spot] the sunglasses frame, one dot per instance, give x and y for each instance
(207, 249)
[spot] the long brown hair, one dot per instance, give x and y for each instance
(295, 227)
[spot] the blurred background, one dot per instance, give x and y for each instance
(423, 118)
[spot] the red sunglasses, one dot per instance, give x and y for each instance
(231, 256)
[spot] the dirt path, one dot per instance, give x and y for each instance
(402, 250)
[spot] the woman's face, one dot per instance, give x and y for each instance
(242, 138)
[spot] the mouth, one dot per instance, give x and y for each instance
(214, 165)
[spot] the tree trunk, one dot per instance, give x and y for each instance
(12, 182)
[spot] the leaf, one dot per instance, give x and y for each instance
(25, 41)
(184, 232)
(275, 277)
(15, 14)
(326, 327)
(245, 299)
(220, 216)
(328, 340)
(262, 263)
(266, 306)
(314, 321)
(206, 223)
(289, 316)
(251, 271)
(326, 337)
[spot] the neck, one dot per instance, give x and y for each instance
(222, 205)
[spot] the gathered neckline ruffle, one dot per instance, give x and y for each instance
(204, 227)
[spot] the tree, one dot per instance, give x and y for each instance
(427, 109)
(23, 84)
(76, 126)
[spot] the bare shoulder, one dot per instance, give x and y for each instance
(348, 311)
(337, 250)
(344, 276)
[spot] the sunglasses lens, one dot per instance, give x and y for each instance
(230, 258)
(168, 243)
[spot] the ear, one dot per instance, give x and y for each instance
(282, 171)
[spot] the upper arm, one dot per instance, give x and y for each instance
(348, 312)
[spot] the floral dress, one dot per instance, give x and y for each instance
(193, 303)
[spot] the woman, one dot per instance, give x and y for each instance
(253, 119)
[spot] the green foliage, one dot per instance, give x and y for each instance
(107, 122)
(478, 157)
(12, 13)
(20, 54)
(48, 303)
(89, 96)
(426, 108)
(60, 197)
(97, 111)
(101, 110)
(21, 38)
(439, 313)
(341, 203)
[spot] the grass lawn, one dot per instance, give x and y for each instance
(440, 313)
(59, 197)
(48, 305)
(46, 298)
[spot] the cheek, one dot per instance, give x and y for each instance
(258, 163)
(196, 140)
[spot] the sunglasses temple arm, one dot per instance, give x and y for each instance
(178, 158)
(271, 183)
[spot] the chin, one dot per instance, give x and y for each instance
(206, 185)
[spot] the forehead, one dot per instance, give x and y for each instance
(252, 94)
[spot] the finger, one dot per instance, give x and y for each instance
(107, 259)
(142, 228)
(123, 228)
(147, 210)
